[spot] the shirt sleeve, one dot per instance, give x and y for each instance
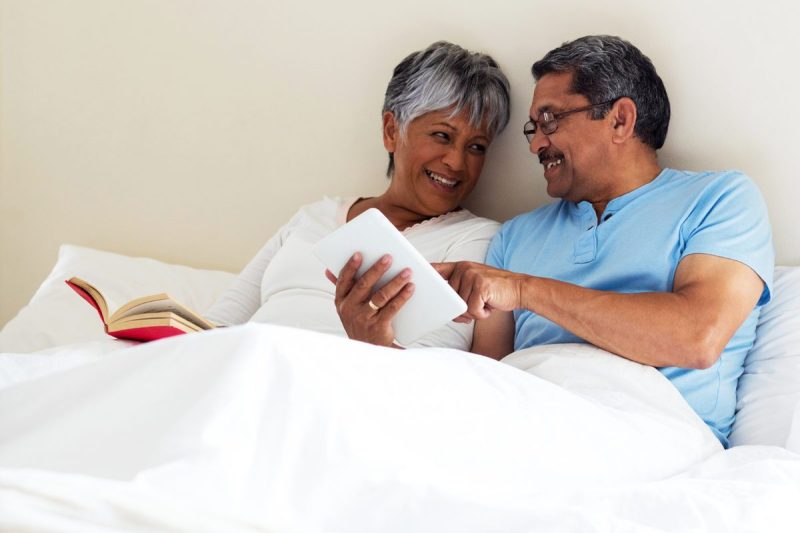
(243, 298)
(730, 220)
(494, 256)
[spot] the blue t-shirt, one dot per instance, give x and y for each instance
(636, 247)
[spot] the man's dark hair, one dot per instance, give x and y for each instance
(606, 68)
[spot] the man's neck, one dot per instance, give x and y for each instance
(634, 173)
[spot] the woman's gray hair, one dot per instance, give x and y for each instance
(445, 76)
(607, 68)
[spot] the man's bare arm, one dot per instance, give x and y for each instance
(688, 327)
(494, 336)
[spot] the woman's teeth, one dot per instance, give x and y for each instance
(440, 179)
(552, 164)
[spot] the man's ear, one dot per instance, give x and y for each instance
(391, 132)
(623, 119)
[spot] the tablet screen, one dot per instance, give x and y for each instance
(433, 304)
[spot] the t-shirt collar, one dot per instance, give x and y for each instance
(581, 209)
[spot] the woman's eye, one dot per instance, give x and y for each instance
(441, 135)
(478, 148)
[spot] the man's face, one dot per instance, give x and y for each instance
(575, 155)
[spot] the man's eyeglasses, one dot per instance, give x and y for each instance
(548, 122)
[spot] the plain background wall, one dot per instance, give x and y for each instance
(190, 130)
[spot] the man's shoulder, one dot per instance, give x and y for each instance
(731, 188)
(717, 179)
(701, 190)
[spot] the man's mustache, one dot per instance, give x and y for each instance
(548, 155)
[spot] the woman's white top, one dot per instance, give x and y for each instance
(285, 284)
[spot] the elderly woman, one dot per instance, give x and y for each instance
(443, 107)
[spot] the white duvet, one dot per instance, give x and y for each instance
(261, 428)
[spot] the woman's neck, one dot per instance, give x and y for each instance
(401, 217)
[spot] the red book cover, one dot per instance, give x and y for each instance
(147, 333)
(151, 325)
(88, 297)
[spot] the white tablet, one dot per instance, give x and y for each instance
(433, 304)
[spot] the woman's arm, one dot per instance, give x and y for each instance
(243, 298)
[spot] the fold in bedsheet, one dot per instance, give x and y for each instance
(293, 430)
(748, 488)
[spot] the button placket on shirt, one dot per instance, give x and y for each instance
(586, 246)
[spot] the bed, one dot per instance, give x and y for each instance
(264, 428)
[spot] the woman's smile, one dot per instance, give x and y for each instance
(442, 182)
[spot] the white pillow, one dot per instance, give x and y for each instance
(793, 443)
(56, 315)
(769, 389)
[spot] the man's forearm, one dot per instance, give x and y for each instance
(656, 328)
(687, 327)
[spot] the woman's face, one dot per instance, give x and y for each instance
(438, 161)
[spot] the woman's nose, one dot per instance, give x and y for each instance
(454, 158)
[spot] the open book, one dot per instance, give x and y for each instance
(143, 319)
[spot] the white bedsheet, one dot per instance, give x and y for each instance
(266, 428)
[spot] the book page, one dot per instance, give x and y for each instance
(159, 303)
(164, 318)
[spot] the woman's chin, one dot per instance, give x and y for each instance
(442, 206)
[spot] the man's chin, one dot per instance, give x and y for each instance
(554, 191)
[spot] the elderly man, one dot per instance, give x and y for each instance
(664, 267)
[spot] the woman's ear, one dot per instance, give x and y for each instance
(390, 132)
(623, 119)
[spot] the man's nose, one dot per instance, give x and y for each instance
(539, 142)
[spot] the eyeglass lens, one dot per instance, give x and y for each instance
(548, 123)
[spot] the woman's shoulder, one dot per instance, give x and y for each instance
(465, 220)
(453, 228)
(330, 210)
(463, 216)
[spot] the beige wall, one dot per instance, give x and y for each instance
(190, 130)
